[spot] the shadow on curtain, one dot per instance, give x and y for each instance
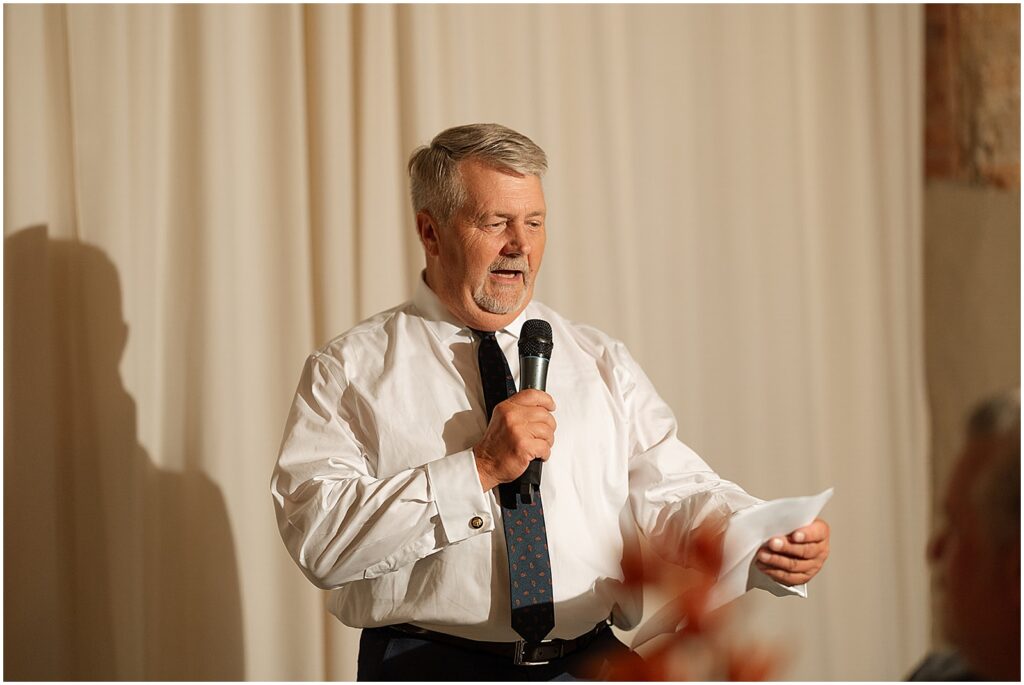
(94, 585)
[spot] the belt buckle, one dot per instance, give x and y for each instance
(519, 657)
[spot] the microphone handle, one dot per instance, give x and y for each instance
(533, 373)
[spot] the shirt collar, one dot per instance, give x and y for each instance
(442, 322)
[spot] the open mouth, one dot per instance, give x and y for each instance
(508, 275)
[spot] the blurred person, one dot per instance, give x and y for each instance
(404, 482)
(975, 553)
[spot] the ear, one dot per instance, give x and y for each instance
(428, 230)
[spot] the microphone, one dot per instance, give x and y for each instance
(535, 347)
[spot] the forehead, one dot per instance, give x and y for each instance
(960, 487)
(492, 189)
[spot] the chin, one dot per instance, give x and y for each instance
(501, 306)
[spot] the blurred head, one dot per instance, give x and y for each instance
(480, 214)
(976, 551)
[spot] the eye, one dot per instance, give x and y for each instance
(496, 225)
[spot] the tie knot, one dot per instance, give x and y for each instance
(484, 335)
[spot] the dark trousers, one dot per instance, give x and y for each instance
(386, 654)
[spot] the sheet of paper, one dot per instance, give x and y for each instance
(748, 530)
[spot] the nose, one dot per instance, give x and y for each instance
(517, 241)
(936, 546)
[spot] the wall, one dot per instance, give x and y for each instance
(972, 211)
(971, 215)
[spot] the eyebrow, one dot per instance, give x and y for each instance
(506, 215)
(481, 216)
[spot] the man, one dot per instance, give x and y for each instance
(398, 483)
(976, 552)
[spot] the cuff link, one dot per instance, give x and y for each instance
(476, 523)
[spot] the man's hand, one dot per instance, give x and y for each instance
(521, 429)
(796, 558)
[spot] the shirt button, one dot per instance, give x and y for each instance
(476, 522)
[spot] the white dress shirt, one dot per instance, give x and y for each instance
(378, 497)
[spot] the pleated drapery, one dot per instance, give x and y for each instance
(196, 197)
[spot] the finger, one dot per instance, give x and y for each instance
(533, 398)
(544, 432)
(807, 550)
(804, 550)
(785, 563)
(539, 449)
(785, 577)
(539, 415)
(816, 531)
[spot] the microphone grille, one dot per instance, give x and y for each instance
(535, 339)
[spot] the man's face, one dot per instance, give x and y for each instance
(969, 573)
(484, 262)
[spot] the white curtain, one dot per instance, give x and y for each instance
(198, 196)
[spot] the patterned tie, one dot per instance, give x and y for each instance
(529, 567)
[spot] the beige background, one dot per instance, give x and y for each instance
(198, 196)
(973, 309)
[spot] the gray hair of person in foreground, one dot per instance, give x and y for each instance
(434, 179)
(997, 492)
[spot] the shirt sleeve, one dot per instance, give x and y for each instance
(672, 490)
(339, 521)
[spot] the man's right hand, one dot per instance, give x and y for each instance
(521, 429)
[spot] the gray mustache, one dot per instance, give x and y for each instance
(511, 264)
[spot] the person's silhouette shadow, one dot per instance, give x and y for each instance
(114, 568)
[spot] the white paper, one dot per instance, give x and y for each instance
(748, 529)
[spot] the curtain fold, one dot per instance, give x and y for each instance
(196, 197)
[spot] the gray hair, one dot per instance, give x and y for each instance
(434, 179)
(997, 491)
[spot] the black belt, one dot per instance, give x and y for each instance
(521, 653)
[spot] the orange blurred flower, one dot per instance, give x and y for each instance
(702, 647)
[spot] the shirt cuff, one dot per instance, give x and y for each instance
(462, 505)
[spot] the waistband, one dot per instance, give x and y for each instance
(521, 653)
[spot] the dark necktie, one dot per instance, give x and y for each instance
(526, 539)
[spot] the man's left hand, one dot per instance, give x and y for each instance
(796, 558)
